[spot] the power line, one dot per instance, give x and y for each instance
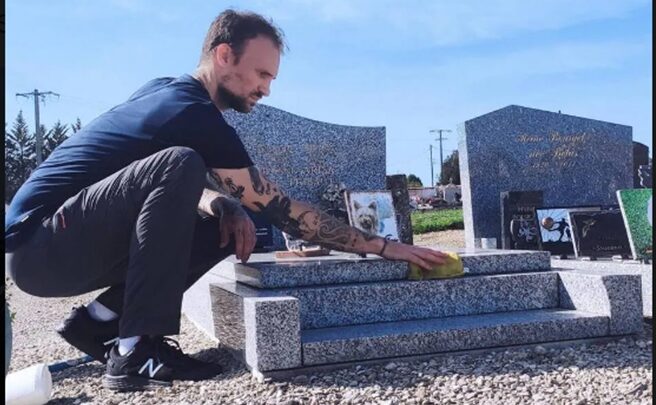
(39, 137)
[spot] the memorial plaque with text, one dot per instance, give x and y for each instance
(599, 234)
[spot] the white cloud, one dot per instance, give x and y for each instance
(450, 22)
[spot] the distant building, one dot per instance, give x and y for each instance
(451, 193)
(417, 193)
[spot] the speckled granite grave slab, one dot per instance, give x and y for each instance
(262, 331)
(351, 304)
(617, 296)
(361, 342)
(264, 271)
(227, 302)
(645, 271)
(273, 339)
(304, 156)
(573, 160)
(498, 261)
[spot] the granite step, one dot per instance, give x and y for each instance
(435, 335)
(264, 271)
(385, 301)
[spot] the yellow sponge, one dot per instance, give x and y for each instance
(452, 268)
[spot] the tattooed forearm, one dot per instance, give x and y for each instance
(237, 191)
(261, 184)
(255, 191)
(314, 225)
(256, 180)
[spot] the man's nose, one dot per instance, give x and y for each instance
(265, 89)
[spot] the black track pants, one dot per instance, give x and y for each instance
(138, 232)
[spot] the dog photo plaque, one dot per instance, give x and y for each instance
(372, 212)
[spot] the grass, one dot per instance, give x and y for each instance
(433, 221)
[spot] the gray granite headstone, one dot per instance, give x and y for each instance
(574, 161)
(305, 156)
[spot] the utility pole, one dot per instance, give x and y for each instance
(440, 139)
(39, 137)
(431, 163)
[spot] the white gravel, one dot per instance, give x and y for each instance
(619, 372)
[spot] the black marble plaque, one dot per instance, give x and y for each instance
(398, 185)
(518, 223)
(599, 234)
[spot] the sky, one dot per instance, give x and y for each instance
(410, 66)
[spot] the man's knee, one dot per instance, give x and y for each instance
(186, 157)
(188, 164)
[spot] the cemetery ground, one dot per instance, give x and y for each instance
(615, 372)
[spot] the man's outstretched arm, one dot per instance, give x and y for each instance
(307, 222)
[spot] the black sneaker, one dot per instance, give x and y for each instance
(153, 363)
(92, 337)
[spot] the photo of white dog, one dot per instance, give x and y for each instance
(372, 212)
(366, 217)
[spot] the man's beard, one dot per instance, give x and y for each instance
(232, 100)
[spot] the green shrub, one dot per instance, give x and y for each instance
(440, 220)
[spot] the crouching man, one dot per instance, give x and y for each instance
(124, 205)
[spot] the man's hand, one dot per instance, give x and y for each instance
(236, 222)
(422, 257)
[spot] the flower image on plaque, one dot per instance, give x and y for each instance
(372, 212)
(599, 234)
(636, 206)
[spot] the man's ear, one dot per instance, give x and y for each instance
(223, 54)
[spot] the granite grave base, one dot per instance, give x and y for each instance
(288, 317)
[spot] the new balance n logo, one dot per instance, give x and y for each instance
(111, 341)
(150, 364)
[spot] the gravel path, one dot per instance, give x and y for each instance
(454, 238)
(619, 372)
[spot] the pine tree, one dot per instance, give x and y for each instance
(20, 156)
(54, 138)
(451, 169)
(77, 126)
